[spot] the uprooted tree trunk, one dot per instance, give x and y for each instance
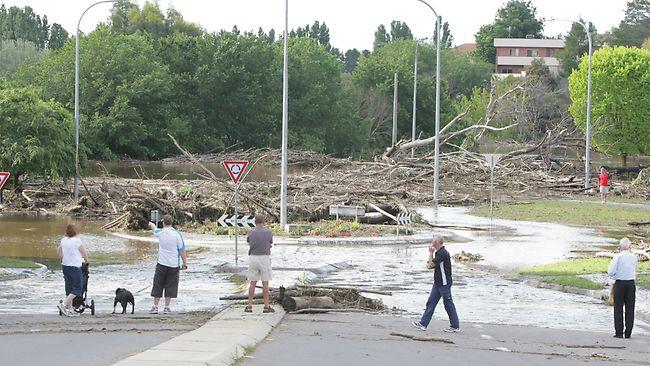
(446, 135)
(316, 302)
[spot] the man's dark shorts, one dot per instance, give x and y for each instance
(165, 278)
(73, 280)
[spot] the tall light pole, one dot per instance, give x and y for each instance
(76, 98)
(285, 121)
(588, 132)
(436, 160)
(415, 95)
(395, 81)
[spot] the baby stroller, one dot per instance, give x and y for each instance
(80, 303)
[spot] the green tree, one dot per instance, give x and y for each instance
(635, 26)
(351, 60)
(447, 39)
(398, 31)
(237, 91)
(620, 99)
(374, 75)
(576, 44)
(58, 37)
(462, 72)
(128, 18)
(319, 113)
(15, 53)
(35, 136)
(516, 19)
(127, 100)
(25, 24)
(538, 68)
(381, 37)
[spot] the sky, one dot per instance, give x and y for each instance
(352, 23)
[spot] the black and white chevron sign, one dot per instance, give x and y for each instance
(403, 219)
(239, 220)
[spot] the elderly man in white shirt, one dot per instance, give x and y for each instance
(623, 270)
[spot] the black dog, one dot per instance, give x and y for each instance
(124, 297)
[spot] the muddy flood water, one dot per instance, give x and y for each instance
(482, 292)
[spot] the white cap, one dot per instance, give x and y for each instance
(624, 244)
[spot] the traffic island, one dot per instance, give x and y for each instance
(224, 340)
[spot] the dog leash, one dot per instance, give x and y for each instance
(143, 289)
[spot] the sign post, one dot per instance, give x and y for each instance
(492, 160)
(236, 170)
(4, 177)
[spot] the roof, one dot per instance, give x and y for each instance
(528, 42)
(466, 47)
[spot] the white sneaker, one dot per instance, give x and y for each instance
(419, 326)
(154, 310)
(167, 310)
(71, 312)
(451, 330)
(62, 308)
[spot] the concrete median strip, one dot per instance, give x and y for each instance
(220, 342)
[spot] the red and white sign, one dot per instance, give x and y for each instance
(4, 177)
(235, 169)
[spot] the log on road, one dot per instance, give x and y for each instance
(297, 303)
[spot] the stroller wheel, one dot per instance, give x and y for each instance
(92, 307)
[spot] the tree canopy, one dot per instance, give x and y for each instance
(516, 19)
(620, 99)
(35, 135)
(24, 24)
(576, 44)
(635, 26)
(15, 53)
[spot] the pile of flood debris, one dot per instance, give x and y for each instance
(385, 184)
(319, 299)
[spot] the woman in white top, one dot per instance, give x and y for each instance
(73, 255)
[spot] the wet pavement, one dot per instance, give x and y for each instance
(482, 292)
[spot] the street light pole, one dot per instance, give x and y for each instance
(415, 95)
(285, 121)
(588, 132)
(76, 99)
(436, 162)
(588, 140)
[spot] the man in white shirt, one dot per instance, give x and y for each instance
(171, 247)
(623, 270)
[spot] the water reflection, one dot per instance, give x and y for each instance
(36, 238)
(482, 293)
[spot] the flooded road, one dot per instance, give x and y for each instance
(481, 293)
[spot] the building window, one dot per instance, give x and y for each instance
(532, 53)
(512, 51)
(549, 52)
(506, 71)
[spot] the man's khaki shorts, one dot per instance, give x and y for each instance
(259, 268)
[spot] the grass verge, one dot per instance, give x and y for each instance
(576, 267)
(568, 273)
(573, 281)
(7, 262)
(567, 212)
(643, 280)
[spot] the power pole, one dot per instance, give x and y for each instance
(415, 95)
(394, 110)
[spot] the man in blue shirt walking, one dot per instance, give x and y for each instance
(623, 270)
(441, 265)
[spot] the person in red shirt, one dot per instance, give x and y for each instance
(603, 183)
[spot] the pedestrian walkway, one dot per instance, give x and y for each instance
(223, 340)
